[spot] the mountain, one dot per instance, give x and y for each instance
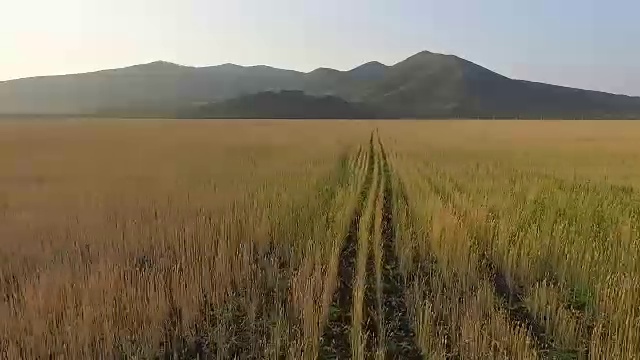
(287, 104)
(426, 85)
(371, 71)
(156, 86)
(436, 85)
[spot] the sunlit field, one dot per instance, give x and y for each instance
(319, 239)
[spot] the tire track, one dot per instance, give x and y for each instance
(399, 331)
(424, 274)
(513, 299)
(511, 294)
(335, 342)
(371, 322)
(386, 322)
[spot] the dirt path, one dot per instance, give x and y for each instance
(386, 324)
(335, 342)
(400, 334)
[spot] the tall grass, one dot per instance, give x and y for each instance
(144, 239)
(545, 214)
(160, 239)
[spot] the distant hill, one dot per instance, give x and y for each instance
(287, 104)
(159, 85)
(444, 85)
(426, 85)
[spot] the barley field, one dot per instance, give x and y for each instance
(125, 239)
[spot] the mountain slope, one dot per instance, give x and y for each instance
(291, 104)
(349, 85)
(436, 85)
(425, 85)
(148, 86)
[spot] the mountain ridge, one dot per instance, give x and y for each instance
(424, 85)
(296, 71)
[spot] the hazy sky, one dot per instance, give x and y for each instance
(592, 44)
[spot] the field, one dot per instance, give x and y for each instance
(319, 239)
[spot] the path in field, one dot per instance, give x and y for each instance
(335, 342)
(398, 325)
(393, 321)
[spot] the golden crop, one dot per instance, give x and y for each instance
(319, 239)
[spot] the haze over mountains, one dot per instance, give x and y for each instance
(426, 85)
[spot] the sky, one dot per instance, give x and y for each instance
(592, 44)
